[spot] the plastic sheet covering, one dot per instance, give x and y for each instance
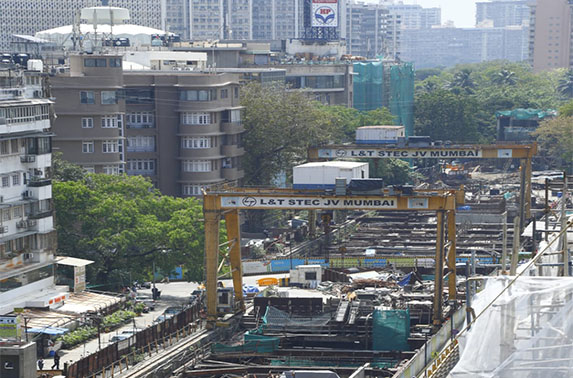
(526, 333)
(402, 95)
(368, 85)
(530, 114)
(277, 320)
(252, 344)
(390, 329)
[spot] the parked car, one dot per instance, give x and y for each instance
(163, 317)
(173, 310)
(120, 337)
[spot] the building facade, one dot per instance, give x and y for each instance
(27, 235)
(180, 129)
(413, 16)
(277, 19)
(550, 34)
(31, 16)
(450, 46)
(371, 30)
(502, 13)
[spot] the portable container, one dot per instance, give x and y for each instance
(323, 175)
(379, 134)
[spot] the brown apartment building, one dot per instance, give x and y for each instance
(550, 34)
(181, 129)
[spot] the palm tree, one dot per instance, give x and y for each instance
(565, 86)
(505, 77)
(462, 79)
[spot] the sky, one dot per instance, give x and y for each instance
(462, 12)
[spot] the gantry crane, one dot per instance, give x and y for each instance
(227, 204)
(524, 152)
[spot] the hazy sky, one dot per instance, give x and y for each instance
(462, 12)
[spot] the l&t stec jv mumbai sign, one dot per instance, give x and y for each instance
(324, 13)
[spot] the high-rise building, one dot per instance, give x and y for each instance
(502, 12)
(30, 16)
(276, 19)
(182, 129)
(176, 17)
(27, 235)
(413, 16)
(220, 19)
(450, 46)
(550, 34)
(371, 30)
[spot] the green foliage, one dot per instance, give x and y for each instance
(77, 336)
(124, 224)
(62, 170)
(117, 318)
(393, 171)
(555, 137)
(280, 126)
(488, 87)
(565, 86)
(566, 110)
(347, 120)
(444, 115)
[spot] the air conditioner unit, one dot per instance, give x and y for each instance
(3, 229)
(28, 256)
(22, 224)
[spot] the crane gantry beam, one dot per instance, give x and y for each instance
(227, 204)
(524, 152)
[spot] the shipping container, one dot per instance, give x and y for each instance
(323, 175)
(379, 134)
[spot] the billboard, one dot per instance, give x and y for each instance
(324, 13)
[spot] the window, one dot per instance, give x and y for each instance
(111, 169)
(89, 168)
(87, 123)
(108, 97)
(94, 62)
(141, 166)
(309, 276)
(196, 142)
(87, 97)
(197, 166)
(15, 179)
(192, 190)
(108, 122)
(4, 147)
(141, 143)
(87, 147)
(109, 146)
(115, 62)
(17, 212)
(139, 96)
(198, 95)
(195, 118)
(6, 215)
(224, 93)
(140, 120)
(236, 92)
(5, 181)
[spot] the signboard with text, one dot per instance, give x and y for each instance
(400, 153)
(267, 202)
(10, 327)
(324, 13)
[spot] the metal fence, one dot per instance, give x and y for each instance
(120, 356)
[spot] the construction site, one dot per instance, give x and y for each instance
(425, 280)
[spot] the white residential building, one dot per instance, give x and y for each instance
(27, 235)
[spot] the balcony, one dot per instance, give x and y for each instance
(27, 159)
(150, 125)
(37, 182)
(233, 150)
(199, 130)
(211, 153)
(39, 214)
(233, 173)
(232, 127)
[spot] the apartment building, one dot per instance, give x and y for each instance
(551, 27)
(182, 129)
(218, 19)
(413, 16)
(502, 13)
(371, 30)
(28, 17)
(27, 235)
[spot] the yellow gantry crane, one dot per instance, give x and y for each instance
(524, 152)
(226, 205)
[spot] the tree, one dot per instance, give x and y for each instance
(555, 136)
(124, 225)
(505, 77)
(566, 110)
(446, 116)
(462, 80)
(393, 171)
(345, 120)
(565, 86)
(62, 170)
(280, 126)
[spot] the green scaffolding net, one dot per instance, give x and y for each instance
(252, 344)
(380, 84)
(390, 329)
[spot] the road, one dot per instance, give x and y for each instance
(172, 294)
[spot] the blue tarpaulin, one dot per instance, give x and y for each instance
(48, 330)
(406, 280)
